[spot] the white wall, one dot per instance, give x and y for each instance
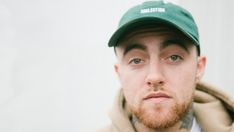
(215, 21)
(56, 71)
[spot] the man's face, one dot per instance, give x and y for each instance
(158, 70)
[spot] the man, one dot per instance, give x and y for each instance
(159, 67)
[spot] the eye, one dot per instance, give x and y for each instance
(175, 58)
(135, 61)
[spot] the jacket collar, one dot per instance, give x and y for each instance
(214, 110)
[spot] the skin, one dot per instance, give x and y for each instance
(158, 69)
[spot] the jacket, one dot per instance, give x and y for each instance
(213, 109)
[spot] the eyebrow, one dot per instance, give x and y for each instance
(166, 43)
(175, 41)
(134, 46)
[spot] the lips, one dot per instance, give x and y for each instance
(156, 95)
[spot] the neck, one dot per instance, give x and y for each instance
(183, 125)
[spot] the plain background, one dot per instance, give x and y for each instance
(56, 71)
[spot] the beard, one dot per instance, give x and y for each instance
(159, 117)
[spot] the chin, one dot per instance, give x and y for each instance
(161, 116)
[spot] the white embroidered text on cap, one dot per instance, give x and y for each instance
(151, 10)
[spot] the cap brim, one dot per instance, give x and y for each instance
(142, 22)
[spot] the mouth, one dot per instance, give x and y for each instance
(157, 96)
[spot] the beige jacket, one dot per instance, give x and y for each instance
(213, 109)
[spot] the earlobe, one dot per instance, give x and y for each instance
(116, 66)
(201, 64)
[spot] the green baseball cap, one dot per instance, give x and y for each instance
(157, 12)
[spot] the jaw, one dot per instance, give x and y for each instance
(161, 116)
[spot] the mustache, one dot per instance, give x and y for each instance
(156, 88)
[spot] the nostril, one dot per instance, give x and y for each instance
(149, 83)
(154, 84)
(161, 82)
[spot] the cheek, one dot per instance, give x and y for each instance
(182, 81)
(184, 73)
(133, 84)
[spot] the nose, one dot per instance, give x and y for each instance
(155, 77)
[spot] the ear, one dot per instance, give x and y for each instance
(201, 64)
(117, 70)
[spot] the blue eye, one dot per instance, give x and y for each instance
(175, 58)
(136, 61)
